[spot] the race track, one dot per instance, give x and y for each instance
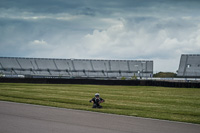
(26, 118)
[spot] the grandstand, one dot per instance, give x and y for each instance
(189, 66)
(74, 68)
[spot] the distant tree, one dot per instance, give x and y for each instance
(165, 75)
(134, 77)
(123, 78)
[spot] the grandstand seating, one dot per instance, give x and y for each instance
(189, 66)
(63, 64)
(75, 67)
(45, 64)
(100, 65)
(10, 63)
(119, 65)
(82, 65)
(27, 63)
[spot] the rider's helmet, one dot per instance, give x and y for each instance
(97, 95)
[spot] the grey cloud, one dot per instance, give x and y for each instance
(40, 6)
(88, 7)
(87, 11)
(128, 29)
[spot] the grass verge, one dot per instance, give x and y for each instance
(177, 104)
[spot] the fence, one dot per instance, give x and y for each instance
(103, 82)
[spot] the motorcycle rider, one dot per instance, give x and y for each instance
(96, 101)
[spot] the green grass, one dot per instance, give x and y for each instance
(177, 104)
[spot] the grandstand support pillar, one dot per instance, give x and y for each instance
(11, 72)
(32, 64)
(139, 74)
(70, 70)
(143, 66)
(84, 71)
(186, 60)
(55, 64)
(73, 64)
(128, 66)
(1, 65)
(120, 73)
(36, 64)
(146, 70)
(92, 65)
(109, 64)
(19, 63)
(49, 72)
(31, 70)
(106, 69)
(137, 69)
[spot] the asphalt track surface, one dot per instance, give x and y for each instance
(26, 118)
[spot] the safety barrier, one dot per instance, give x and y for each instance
(102, 82)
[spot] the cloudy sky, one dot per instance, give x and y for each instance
(158, 30)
